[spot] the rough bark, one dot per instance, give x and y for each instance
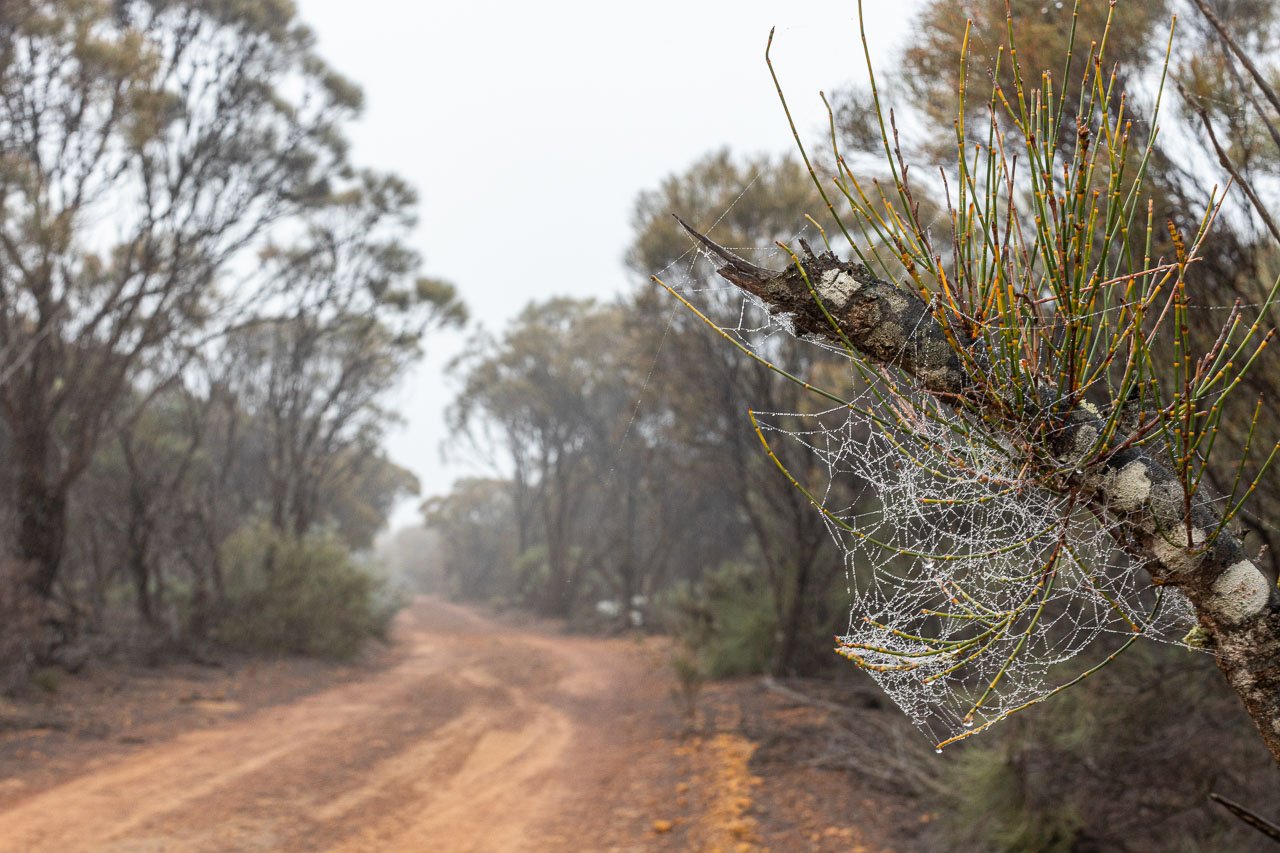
(41, 529)
(1237, 604)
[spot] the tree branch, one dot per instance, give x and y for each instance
(1236, 602)
(1266, 827)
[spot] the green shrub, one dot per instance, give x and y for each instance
(726, 621)
(528, 576)
(47, 679)
(300, 596)
(689, 681)
(992, 806)
(1124, 760)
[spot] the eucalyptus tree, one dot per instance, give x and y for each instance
(754, 202)
(477, 539)
(543, 403)
(566, 403)
(127, 512)
(146, 145)
(312, 376)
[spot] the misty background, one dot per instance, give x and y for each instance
(529, 129)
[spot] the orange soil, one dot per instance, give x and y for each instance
(479, 735)
(480, 738)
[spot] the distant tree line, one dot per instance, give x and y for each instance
(625, 469)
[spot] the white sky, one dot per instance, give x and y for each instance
(529, 128)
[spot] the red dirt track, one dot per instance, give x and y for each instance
(481, 737)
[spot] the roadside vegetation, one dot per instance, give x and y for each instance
(203, 301)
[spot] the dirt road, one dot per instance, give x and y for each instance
(484, 737)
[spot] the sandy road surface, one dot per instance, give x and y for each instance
(485, 737)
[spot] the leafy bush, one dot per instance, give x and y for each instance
(528, 577)
(47, 679)
(301, 596)
(1124, 760)
(995, 802)
(689, 681)
(725, 621)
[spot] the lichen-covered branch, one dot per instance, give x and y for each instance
(1236, 602)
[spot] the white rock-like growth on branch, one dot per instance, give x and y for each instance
(1172, 550)
(1131, 489)
(1240, 593)
(837, 287)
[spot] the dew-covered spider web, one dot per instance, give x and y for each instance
(974, 591)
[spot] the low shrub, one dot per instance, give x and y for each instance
(689, 681)
(47, 679)
(300, 596)
(725, 621)
(1123, 761)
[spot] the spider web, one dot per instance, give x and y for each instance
(974, 591)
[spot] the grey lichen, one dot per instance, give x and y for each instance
(1080, 445)
(898, 302)
(1131, 487)
(944, 378)
(886, 338)
(1172, 550)
(1168, 501)
(935, 353)
(1239, 593)
(837, 287)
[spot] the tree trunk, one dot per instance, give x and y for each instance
(1236, 602)
(558, 596)
(138, 537)
(141, 572)
(42, 527)
(788, 634)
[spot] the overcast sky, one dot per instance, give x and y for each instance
(529, 128)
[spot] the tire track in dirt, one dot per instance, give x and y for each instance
(482, 738)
